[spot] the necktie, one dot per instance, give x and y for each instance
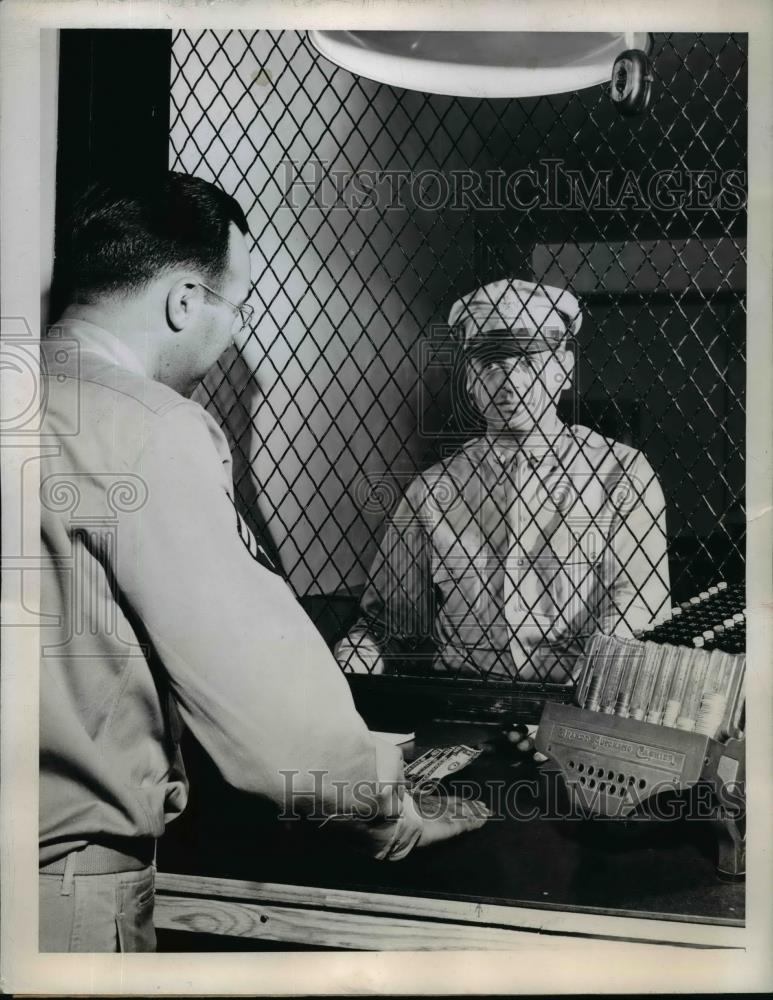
(528, 607)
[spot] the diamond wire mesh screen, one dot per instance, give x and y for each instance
(349, 409)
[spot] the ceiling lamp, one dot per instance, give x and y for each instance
(481, 63)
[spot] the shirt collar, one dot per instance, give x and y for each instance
(96, 340)
(539, 449)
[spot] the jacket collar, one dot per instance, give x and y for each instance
(99, 342)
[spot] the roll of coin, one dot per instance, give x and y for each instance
(671, 711)
(693, 690)
(593, 698)
(678, 684)
(631, 667)
(593, 668)
(615, 651)
(710, 714)
(652, 654)
(665, 673)
(732, 687)
(739, 698)
(713, 679)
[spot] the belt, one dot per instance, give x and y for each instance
(96, 859)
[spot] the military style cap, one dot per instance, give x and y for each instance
(515, 313)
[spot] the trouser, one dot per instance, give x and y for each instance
(96, 912)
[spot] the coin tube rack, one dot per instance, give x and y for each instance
(660, 713)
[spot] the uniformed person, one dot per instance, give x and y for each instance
(503, 559)
(157, 604)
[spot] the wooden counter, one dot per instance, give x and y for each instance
(228, 868)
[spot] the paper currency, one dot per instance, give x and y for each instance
(438, 762)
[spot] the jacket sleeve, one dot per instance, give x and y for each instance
(252, 677)
(397, 608)
(639, 595)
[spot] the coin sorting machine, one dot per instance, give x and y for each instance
(659, 715)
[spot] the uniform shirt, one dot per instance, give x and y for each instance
(158, 607)
(502, 560)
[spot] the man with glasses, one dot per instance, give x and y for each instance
(246, 313)
(157, 605)
(501, 560)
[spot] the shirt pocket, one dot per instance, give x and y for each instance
(461, 567)
(567, 568)
(462, 575)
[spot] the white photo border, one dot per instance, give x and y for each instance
(563, 966)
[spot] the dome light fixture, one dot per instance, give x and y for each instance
(512, 64)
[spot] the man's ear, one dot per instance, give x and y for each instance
(566, 360)
(183, 301)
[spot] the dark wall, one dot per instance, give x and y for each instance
(113, 116)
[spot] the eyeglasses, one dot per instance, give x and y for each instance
(246, 313)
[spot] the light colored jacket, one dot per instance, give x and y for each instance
(159, 606)
(502, 561)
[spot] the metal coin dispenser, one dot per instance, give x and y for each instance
(658, 714)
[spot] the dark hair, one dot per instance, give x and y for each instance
(121, 237)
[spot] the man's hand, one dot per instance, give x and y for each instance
(423, 822)
(405, 819)
(358, 653)
(448, 816)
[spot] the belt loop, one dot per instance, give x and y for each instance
(155, 852)
(69, 873)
